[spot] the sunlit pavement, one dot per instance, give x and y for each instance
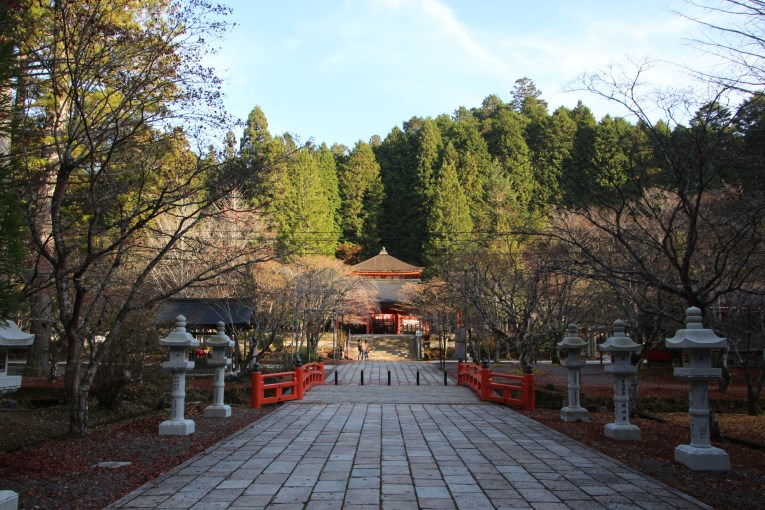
(401, 446)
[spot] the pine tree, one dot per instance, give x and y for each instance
(550, 140)
(361, 196)
(395, 157)
(328, 175)
(258, 150)
(575, 166)
(448, 221)
(474, 162)
(302, 209)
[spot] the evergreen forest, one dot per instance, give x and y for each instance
(526, 216)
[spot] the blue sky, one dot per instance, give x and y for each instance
(344, 70)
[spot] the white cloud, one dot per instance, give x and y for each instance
(387, 60)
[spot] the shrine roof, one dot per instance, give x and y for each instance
(205, 312)
(385, 263)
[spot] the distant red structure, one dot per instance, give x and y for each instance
(385, 275)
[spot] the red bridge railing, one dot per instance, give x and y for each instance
(513, 390)
(285, 386)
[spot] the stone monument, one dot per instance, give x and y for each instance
(697, 343)
(11, 337)
(179, 341)
(221, 358)
(621, 347)
(572, 346)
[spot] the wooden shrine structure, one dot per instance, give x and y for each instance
(385, 276)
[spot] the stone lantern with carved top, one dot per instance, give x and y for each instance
(221, 358)
(697, 343)
(621, 347)
(11, 337)
(179, 341)
(572, 346)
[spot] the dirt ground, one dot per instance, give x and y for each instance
(50, 470)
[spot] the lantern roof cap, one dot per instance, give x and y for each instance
(620, 342)
(179, 337)
(695, 336)
(220, 339)
(571, 340)
(12, 336)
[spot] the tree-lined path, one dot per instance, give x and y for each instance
(403, 447)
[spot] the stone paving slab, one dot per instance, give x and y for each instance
(376, 373)
(332, 454)
(329, 394)
(402, 390)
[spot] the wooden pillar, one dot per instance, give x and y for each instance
(257, 390)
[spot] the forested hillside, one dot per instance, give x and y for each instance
(525, 218)
(484, 176)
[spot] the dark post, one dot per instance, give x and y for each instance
(335, 377)
(445, 382)
(362, 378)
(528, 388)
(388, 377)
(418, 378)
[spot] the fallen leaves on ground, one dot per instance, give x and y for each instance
(62, 473)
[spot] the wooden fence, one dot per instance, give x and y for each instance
(513, 390)
(285, 386)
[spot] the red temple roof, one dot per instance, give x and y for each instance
(384, 265)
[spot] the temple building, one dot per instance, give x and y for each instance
(385, 277)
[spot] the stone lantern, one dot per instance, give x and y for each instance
(179, 341)
(621, 347)
(697, 343)
(221, 358)
(572, 345)
(11, 337)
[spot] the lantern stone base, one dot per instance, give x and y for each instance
(177, 428)
(223, 411)
(702, 459)
(574, 414)
(9, 500)
(622, 432)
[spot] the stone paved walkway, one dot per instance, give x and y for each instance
(401, 447)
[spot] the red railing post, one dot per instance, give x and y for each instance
(257, 390)
(485, 380)
(300, 386)
(528, 389)
(321, 367)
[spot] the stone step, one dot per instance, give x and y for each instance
(389, 348)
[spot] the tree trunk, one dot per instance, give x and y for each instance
(78, 409)
(442, 348)
(727, 379)
(752, 396)
(727, 375)
(39, 358)
(76, 392)
(555, 354)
